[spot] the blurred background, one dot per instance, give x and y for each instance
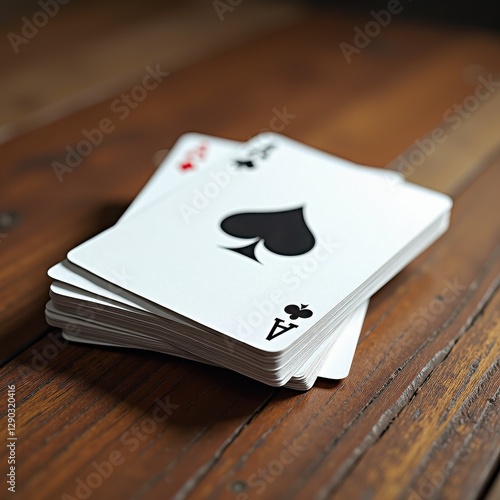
(87, 51)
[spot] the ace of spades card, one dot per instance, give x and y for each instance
(213, 270)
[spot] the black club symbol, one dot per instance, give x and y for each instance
(297, 312)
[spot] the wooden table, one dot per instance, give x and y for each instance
(417, 418)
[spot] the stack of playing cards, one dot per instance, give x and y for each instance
(258, 257)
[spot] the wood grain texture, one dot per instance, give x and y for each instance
(465, 142)
(418, 415)
(45, 79)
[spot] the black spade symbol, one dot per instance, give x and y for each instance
(284, 233)
(297, 312)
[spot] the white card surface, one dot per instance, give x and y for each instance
(177, 254)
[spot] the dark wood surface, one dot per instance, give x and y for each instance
(418, 416)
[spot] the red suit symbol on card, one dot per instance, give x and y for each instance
(192, 156)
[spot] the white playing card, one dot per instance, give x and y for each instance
(352, 240)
